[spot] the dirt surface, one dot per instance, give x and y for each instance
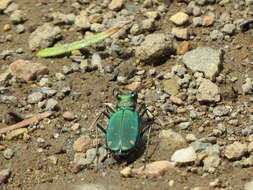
(31, 167)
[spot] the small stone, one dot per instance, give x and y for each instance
(155, 169)
(176, 100)
(183, 48)
(4, 4)
(60, 76)
(20, 28)
(196, 11)
(44, 36)
(44, 82)
(247, 87)
(4, 175)
(60, 18)
(126, 172)
(179, 18)
(6, 27)
(185, 155)
(134, 86)
(171, 86)
(51, 104)
(235, 151)
(221, 111)
(190, 137)
(248, 185)
(17, 17)
(148, 24)
(208, 91)
(181, 33)
(250, 147)
(153, 47)
(211, 163)
(27, 70)
(204, 59)
(75, 127)
(35, 98)
(69, 116)
(197, 21)
(170, 140)
(53, 159)
(184, 125)
(208, 21)
(8, 153)
(82, 21)
(82, 144)
(116, 5)
(216, 35)
(229, 29)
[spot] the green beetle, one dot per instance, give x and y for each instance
(124, 130)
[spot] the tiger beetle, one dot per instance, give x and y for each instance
(124, 131)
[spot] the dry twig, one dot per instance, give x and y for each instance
(26, 122)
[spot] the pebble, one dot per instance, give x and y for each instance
(221, 111)
(216, 35)
(116, 5)
(197, 21)
(4, 4)
(155, 169)
(20, 28)
(208, 21)
(4, 175)
(203, 59)
(235, 151)
(153, 47)
(247, 87)
(51, 104)
(211, 163)
(60, 18)
(180, 33)
(208, 91)
(170, 140)
(186, 155)
(27, 70)
(17, 17)
(171, 86)
(82, 144)
(68, 115)
(8, 153)
(60, 76)
(248, 185)
(179, 18)
(82, 21)
(134, 86)
(44, 36)
(35, 98)
(183, 48)
(229, 29)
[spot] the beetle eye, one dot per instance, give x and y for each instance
(134, 95)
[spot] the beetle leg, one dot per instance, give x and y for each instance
(147, 145)
(101, 128)
(144, 130)
(109, 108)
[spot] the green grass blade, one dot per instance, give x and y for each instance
(62, 49)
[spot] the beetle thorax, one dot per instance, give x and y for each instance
(126, 102)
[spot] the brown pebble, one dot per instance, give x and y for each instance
(183, 48)
(67, 115)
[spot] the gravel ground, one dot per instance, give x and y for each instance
(189, 61)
